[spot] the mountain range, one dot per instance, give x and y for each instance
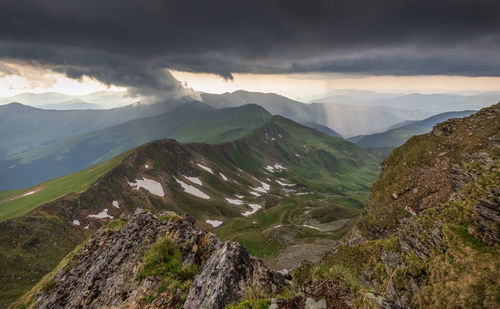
(428, 235)
(345, 119)
(246, 187)
(187, 122)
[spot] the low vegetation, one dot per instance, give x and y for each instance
(163, 261)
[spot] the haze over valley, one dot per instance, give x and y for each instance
(249, 154)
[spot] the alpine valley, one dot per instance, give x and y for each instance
(270, 213)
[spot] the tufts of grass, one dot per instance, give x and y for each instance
(163, 261)
(338, 272)
(115, 225)
(48, 285)
(251, 304)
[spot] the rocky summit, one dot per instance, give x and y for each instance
(150, 261)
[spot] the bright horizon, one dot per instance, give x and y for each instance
(302, 87)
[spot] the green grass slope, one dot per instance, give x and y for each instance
(234, 175)
(16, 203)
(189, 122)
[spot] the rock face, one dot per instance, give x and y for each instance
(103, 273)
(230, 272)
(488, 216)
(429, 237)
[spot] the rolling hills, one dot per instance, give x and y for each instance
(24, 127)
(188, 122)
(279, 185)
(345, 119)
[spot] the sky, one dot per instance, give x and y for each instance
(159, 49)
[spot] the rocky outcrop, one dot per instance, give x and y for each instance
(429, 236)
(413, 237)
(104, 272)
(487, 213)
(230, 272)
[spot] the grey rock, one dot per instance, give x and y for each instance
(227, 275)
(414, 237)
(487, 213)
(312, 304)
(103, 273)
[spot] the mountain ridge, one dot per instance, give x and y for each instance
(166, 175)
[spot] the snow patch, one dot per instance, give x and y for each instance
(192, 190)
(304, 193)
(254, 207)
(29, 193)
(152, 186)
(234, 201)
(278, 166)
(103, 214)
(146, 166)
(311, 227)
(76, 222)
(223, 177)
(86, 227)
(254, 193)
(239, 196)
(285, 184)
(195, 180)
(115, 204)
(208, 169)
(269, 168)
(214, 223)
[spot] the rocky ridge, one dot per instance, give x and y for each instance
(106, 271)
(430, 233)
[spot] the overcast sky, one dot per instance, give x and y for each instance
(130, 44)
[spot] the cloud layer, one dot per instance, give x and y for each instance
(131, 42)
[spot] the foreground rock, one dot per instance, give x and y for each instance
(230, 272)
(105, 271)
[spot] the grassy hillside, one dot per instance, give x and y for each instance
(17, 203)
(429, 238)
(189, 122)
(268, 174)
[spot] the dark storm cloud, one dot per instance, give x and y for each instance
(129, 42)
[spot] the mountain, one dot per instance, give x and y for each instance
(24, 127)
(274, 103)
(431, 103)
(399, 135)
(346, 119)
(438, 103)
(279, 187)
(187, 122)
(430, 234)
(71, 105)
(320, 128)
(104, 99)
